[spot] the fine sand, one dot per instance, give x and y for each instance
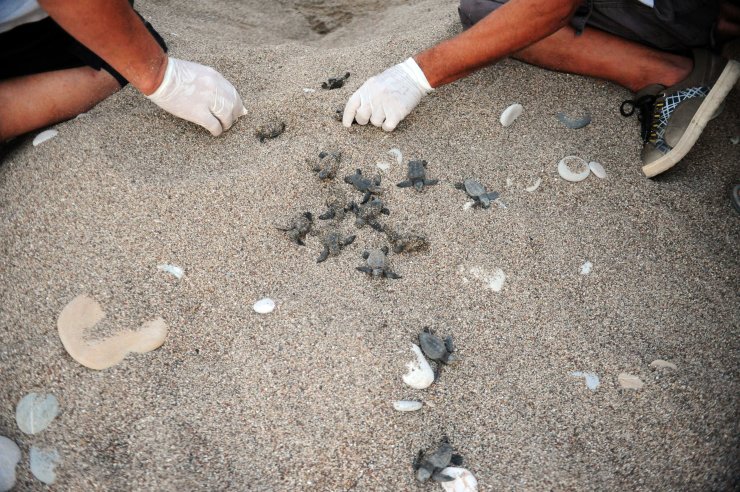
(301, 398)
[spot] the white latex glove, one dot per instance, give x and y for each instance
(387, 98)
(199, 94)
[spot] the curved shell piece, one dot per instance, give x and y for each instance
(35, 412)
(597, 169)
(44, 136)
(464, 481)
(264, 306)
(43, 463)
(510, 114)
(10, 455)
(573, 169)
(407, 405)
(420, 374)
(82, 314)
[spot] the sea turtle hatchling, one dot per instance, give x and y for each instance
(406, 242)
(269, 129)
(336, 204)
(417, 176)
(368, 213)
(365, 185)
(437, 350)
(430, 465)
(298, 228)
(335, 82)
(333, 244)
(327, 165)
(477, 192)
(376, 263)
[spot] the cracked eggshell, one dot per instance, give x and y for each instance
(573, 169)
(597, 169)
(510, 114)
(10, 455)
(407, 405)
(464, 481)
(420, 374)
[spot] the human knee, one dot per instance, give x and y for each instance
(472, 11)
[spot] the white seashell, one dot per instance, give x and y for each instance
(464, 481)
(573, 169)
(597, 169)
(420, 374)
(592, 380)
(172, 269)
(630, 381)
(10, 455)
(407, 405)
(397, 154)
(383, 166)
(264, 306)
(586, 268)
(511, 113)
(308, 91)
(662, 364)
(43, 464)
(35, 412)
(535, 185)
(44, 136)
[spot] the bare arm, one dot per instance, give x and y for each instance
(112, 30)
(511, 28)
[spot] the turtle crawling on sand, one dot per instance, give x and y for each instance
(437, 350)
(298, 228)
(333, 244)
(430, 465)
(327, 165)
(336, 204)
(406, 242)
(376, 263)
(368, 213)
(417, 176)
(270, 129)
(477, 192)
(363, 184)
(335, 82)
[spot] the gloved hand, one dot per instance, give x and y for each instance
(389, 97)
(199, 94)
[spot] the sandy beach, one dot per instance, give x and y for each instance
(300, 399)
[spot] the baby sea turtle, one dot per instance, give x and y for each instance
(417, 176)
(333, 244)
(299, 227)
(270, 129)
(363, 184)
(335, 82)
(336, 204)
(477, 192)
(431, 465)
(436, 349)
(327, 165)
(368, 213)
(406, 242)
(376, 263)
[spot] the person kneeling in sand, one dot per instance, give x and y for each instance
(643, 45)
(59, 58)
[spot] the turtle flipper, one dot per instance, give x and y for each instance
(456, 460)
(449, 344)
(405, 184)
(329, 214)
(375, 225)
(349, 240)
(441, 477)
(323, 256)
(392, 275)
(364, 269)
(431, 182)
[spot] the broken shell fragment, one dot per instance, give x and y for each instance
(173, 270)
(43, 463)
(662, 364)
(44, 136)
(573, 169)
(463, 480)
(535, 185)
(10, 455)
(510, 114)
(407, 405)
(597, 169)
(35, 412)
(592, 380)
(83, 313)
(420, 374)
(629, 381)
(264, 306)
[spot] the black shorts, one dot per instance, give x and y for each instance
(43, 46)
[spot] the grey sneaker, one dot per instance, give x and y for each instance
(673, 118)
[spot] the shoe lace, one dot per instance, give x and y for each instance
(648, 109)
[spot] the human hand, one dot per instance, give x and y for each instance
(198, 94)
(387, 98)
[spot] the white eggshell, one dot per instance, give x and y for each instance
(44, 136)
(464, 481)
(420, 374)
(43, 464)
(573, 169)
(264, 306)
(10, 455)
(597, 169)
(662, 364)
(511, 113)
(535, 185)
(630, 381)
(407, 405)
(35, 412)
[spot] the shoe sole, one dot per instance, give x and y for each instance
(726, 81)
